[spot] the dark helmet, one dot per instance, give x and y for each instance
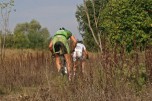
(79, 41)
(62, 28)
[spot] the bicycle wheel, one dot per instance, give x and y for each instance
(63, 66)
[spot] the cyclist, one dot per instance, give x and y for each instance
(81, 53)
(60, 42)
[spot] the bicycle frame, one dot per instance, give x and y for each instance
(63, 65)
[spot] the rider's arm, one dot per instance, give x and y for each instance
(51, 46)
(74, 42)
(86, 52)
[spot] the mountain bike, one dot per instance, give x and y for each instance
(63, 69)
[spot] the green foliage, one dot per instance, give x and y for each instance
(83, 22)
(6, 4)
(9, 41)
(89, 42)
(30, 35)
(127, 23)
(21, 40)
(5, 9)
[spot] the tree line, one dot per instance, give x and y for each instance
(123, 24)
(126, 24)
(27, 35)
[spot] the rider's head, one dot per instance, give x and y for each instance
(62, 28)
(79, 41)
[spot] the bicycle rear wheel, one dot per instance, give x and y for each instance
(63, 66)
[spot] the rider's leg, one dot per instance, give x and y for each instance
(75, 62)
(75, 67)
(83, 61)
(83, 66)
(57, 60)
(69, 64)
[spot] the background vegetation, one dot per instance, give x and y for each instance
(28, 35)
(126, 23)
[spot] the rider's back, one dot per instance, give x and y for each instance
(67, 34)
(80, 47)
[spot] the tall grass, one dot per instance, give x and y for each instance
(28, 75)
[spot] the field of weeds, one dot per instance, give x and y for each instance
(27, 75)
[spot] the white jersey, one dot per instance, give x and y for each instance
(80, 47)
(78, 52)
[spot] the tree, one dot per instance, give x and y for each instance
(121, 22)
(88, 16)
(45, 36)
(21, 41)
(128, 23)
(21, 36)
(5, 10)
(9, 41)
(38, 36)
(31, 35)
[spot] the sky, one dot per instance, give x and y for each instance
(51, 14)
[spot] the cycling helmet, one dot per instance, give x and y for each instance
(79, 41)
(62, 28)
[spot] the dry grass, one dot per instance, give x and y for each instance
(28, 75)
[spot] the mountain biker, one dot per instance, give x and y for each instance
(80, 53)
(60, 42)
